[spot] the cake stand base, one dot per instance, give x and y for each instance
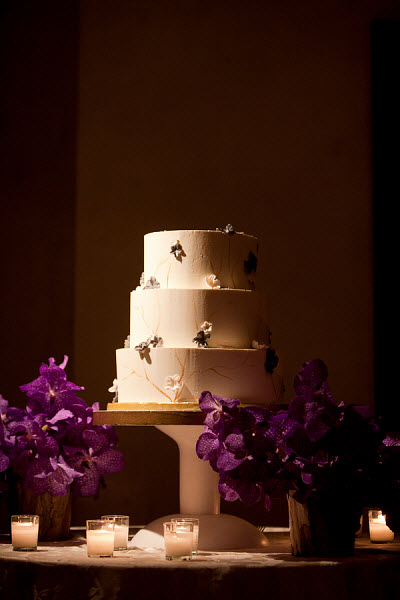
(217, 533)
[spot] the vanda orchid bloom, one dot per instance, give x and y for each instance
(315, 447)
(53, 443)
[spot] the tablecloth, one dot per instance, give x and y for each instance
(63, 571)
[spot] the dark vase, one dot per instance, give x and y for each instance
(322, 526)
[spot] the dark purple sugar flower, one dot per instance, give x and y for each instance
(250, 265)
(271, 360)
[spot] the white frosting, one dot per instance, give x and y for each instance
(238, 317)
(197, 284)
(203, 253)
(174, 375)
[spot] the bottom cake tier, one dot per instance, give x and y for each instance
(177, 376)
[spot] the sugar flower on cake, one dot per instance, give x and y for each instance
(151, 283)
(142, 347)
(156, 341)
(257, 346)
(206, 326)
(227, 229)
(250, 265)
(213, 281)
(173, 383)
(177, 250)
(203, 335)
(114, 390)
(271, 361)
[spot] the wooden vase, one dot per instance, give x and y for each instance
(321, 527)
(54, 513)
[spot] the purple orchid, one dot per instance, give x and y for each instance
(93, 459)
(50, 474)
(53, 443)
(4, 458)
(214, 407)
(51, 391)
(315, 447)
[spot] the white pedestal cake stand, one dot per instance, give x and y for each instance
(198, 484)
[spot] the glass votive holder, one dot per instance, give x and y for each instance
(24, 532)
(178, 544)
(379, 532)
(100, 538)
(121, 530)
(195, 521)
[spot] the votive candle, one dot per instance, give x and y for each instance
(24, 532)
(379, 532)
(100, 538)
(195, 521)
(121, 530)
(178, 543)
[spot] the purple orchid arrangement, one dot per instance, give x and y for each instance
(314, 448)
(52, 443)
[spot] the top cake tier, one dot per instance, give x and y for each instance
(200, 259)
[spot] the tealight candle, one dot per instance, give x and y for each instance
(195, 521)
(24, 532)
(178, 541)
(121, 530)
(379, 532)
(100, 538)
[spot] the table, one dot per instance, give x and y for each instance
(63, 571)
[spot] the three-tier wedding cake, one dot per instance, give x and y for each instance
(197, 323)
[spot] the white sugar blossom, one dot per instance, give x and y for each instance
(114, 389)
(151, 283)
(173, 382)
(257, 346)
(213, 282)
(206, 327)
(127, 342)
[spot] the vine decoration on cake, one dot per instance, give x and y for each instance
(229, 229)
(52, 443)
(177, 251)
(203, 335)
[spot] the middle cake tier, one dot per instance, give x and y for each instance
(229, 318)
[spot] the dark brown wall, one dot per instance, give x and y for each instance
(39, 43)
(38, 106)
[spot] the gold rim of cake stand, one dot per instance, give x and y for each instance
(153, 413)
